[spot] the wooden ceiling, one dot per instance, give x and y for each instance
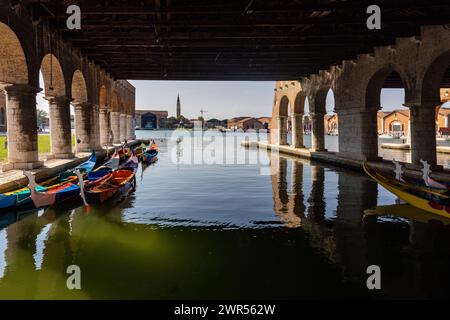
(233, 39)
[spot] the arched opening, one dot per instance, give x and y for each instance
(284, 122)
(323, 100)
(307, 123)
(436, 94)
(81, 112)
(331, 123)
(297, 119)
(54, 110)
(20, 145)
(386, 128)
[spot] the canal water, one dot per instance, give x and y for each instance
(212, 220)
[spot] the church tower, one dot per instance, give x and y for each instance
(178, 107)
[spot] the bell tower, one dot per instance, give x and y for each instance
(178, 107)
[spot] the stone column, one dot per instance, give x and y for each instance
(297, 130)
(318, 132)
(115, 126)
(123, 127)
(105, 126)
(282, 130)
(95, 123)
(423, 134)
(83, 129)
(22, 128)
(130, 128)
(60, 129)
(358, 134)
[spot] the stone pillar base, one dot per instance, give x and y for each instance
(22, 166)
(61, 156)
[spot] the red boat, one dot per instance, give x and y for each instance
(117, 183)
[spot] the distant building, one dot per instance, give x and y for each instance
(216, 123)
(150, 119)
(265, 122)
(331, 124)
(394, 123)
(244, 123)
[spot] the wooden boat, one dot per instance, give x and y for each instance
(124, 154)
(405, 211)
(139, 152)
(117, 183)
(153, 146)
(131, 164)
(427, 200)
(56, 194)
(150, 155)
(22, 196)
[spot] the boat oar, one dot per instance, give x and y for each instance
(81, 185)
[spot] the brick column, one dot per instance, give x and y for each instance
(318, 132)
(282, 130)
(115, 126)
(123, 127)
(83, 127)
(60, 129)
(297, 130)
(105, 126)
(22, 127)
(130, 128)
(423, 133)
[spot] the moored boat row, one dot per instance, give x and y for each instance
(116, 176)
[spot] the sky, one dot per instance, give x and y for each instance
(221, 99)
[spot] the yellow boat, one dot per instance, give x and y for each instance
(427, 200)
(405, 211)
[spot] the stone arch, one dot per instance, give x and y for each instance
(299, 103)
(54, 80)
(320, 101)
(376, 82)
(431, 82)
(13, 63)
(284, 106)
(79, 88)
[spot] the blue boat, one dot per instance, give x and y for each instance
(150, 155)
(22, 197)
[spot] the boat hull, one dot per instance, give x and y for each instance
(425, 200)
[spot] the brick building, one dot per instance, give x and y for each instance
(244, 123)
(150, 119)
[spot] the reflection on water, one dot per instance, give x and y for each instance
(227, 231)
